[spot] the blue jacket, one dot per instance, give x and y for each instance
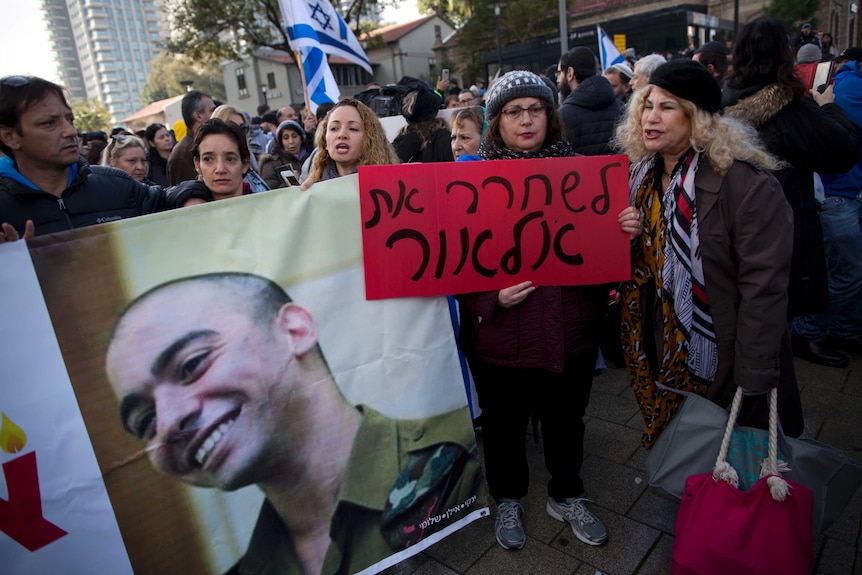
(93, 195)
(848, 95)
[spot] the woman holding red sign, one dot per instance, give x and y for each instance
(533, 349)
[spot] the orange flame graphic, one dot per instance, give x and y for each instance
(12, 437)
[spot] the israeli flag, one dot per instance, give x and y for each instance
(319, 80)
(607, 51)
(316, 24)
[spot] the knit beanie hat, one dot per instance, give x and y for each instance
(808, 53)
(513, 85)
(291, 125)
(689, 80)
(270, 117)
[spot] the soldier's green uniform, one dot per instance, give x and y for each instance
(401, 475)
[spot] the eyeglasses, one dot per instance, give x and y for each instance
(245, 127)
(466, 100)
(515, 114)
(15, 81)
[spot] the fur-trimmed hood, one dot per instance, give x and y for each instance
(756, 106)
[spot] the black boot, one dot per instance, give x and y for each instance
(818, 353)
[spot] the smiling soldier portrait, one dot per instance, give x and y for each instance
(222, 377)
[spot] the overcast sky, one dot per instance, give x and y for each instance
(24, 45)
(25, 48)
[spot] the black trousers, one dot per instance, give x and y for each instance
(507, 397)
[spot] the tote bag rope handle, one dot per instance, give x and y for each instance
(771, 466)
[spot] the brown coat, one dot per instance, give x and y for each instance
(746, 239)
(269, 164)
(181, 164)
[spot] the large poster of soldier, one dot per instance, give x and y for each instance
(249, 410)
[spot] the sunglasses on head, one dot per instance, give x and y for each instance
(15, 81)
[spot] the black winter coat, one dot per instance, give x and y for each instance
(96, 195)
(158, 171)
(810, 138)
(590, 114)
(410, 148)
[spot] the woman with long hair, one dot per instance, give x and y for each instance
(350, 136)
(159, 146)
(705, 310)
(425, 137)
(763, 90)
(288, 152)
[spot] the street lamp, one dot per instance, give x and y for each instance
(263, 88)
(497, 7)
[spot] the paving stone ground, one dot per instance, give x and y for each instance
(639, 519)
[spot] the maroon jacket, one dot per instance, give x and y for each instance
(544, 331)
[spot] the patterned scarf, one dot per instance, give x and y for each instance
(488, 150)
(682, 273)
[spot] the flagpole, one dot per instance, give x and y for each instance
(298, 58)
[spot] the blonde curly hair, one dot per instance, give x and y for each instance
(722, 140)
(376, 149)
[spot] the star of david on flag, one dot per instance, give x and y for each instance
(314, 28)
(607, 51)
(316, 23)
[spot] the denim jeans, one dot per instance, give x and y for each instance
(842, 237)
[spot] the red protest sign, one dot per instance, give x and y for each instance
(448, 228)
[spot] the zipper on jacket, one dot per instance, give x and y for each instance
(63, 211)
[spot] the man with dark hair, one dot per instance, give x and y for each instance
(590, 109)
(713, 55)
(245, 396)
(197, 108)
(45, 186)
(263, 109)
(269, 123)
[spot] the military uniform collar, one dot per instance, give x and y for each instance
(367, 482)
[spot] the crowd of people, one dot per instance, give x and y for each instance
(744, 223)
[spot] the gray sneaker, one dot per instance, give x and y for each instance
(586, 526)
(508, 526)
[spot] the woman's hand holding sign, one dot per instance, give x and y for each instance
(512, 296)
